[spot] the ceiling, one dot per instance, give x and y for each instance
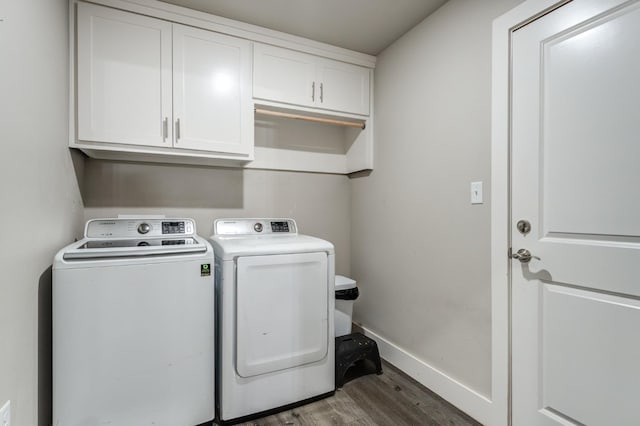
(366, 26)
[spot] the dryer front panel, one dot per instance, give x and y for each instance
(282, 312)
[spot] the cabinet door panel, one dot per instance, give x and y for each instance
(345, 87)
(124, 77)
(284, 75)
(212, 91)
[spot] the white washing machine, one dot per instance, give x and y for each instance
(133, 325)
(275, 293)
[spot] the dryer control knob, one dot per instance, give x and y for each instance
(257, 227)
(143, 228)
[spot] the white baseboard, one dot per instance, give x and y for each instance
(471, 402)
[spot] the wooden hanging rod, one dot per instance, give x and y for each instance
(307, 118)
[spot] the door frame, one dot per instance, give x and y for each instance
(503, 28)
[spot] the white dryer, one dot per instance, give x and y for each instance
(133, 325)
(275, 303)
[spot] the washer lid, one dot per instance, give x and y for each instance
(103, 249)
(230, 247)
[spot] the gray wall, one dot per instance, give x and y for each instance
(41, 208)
(44, 189)
(419, 249)
(424, 275)
(319, 203)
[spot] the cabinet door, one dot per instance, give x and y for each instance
(211, 91)
(123, 77)
(284, 75)
(343, 87)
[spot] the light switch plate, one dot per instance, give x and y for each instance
(5, 414)
(476, 192)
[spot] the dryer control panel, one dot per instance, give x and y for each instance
(137, 227)
(268, 226)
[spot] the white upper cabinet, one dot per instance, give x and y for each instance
(211, 91)
(290, 77)
(146, 82)
(123, 77)
(151, 81)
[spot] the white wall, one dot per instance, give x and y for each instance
(40, 204)
(420, 250)
(318, 202)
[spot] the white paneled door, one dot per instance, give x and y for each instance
(576, 181)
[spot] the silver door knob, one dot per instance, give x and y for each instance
(523, 255)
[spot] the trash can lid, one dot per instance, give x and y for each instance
(344, 283)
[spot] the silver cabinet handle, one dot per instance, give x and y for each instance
(177, 130)
(523, 255)
(165, 129)
(321, 92)
(313, 91)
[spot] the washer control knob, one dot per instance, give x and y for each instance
(143, 228)
(257, 227)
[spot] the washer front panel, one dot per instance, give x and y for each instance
(133, 344)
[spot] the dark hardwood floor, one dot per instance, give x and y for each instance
(391, 399)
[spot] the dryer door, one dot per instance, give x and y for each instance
(282, 312)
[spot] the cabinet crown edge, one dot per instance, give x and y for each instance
(251, 32)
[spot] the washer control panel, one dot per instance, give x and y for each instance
(255, 227)
(131, 228)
